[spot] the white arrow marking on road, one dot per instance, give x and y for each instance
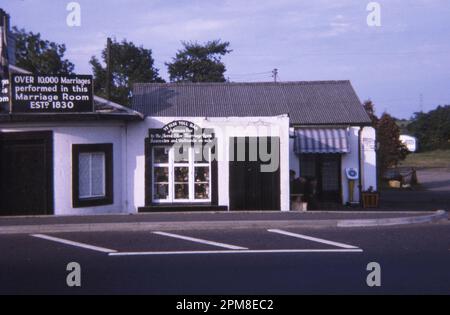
(76, 244)
(198, 240)
(314, 239)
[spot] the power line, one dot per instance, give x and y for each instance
(250, 74)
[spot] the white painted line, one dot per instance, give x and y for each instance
(256, 251)
(76, 244)
(314, 239)
(198, 240)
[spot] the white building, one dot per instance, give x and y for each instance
(240, 141)
(410, 142)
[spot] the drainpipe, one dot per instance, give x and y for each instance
(360, 164)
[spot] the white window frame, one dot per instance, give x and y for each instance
(191, 182)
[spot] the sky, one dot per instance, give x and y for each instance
(402, 64)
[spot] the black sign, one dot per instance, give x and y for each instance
(51, 94)
(181, 131)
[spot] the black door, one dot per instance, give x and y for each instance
(330, 178)
(249, 187)
(26, 165)
(326, 170)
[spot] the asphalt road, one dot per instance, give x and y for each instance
(414, 259)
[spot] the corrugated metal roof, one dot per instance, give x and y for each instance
(321, 140)
(307, 103)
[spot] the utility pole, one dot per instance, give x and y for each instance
(108, 69)
(275, 74)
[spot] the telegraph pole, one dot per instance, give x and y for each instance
(108, 69)
(275, 74)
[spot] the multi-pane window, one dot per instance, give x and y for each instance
(181, 174)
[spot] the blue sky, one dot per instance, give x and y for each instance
(393, 64)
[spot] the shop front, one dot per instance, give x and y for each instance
(210, 164)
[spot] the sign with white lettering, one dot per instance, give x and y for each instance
(180, 131)
(51, 94)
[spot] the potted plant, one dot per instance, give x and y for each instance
(370, 198)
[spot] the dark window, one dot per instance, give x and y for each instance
(92, 175)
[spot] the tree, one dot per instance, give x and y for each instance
(391, 150)
(199, 63)
(432, 129)
(370, 110)
(129, 64)
(40, 56)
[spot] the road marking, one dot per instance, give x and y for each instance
(198, 240)
(76, 244)
(256, 251)
(314, 239)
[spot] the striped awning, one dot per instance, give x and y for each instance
(321, 140)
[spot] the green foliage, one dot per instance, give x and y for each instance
(129, 64)
(40, 56)
(370, 110)
(391, 151)
(432, 129)
(199, 63)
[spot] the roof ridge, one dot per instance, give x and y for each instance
(243, 83)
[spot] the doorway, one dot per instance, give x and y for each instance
(26, 173)
(326, 170)
(249, 187)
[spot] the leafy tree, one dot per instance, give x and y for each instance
(370, 110)
(199, 63)
(391, 150)
(40, 56)
(432, 129)
(129, 64)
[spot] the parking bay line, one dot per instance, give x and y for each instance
(314, 239)
(250, 251)
(198, 240)
(76, 244)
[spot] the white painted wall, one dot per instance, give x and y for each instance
(350, 160)
(294, 160)
(369, 158)
(129, 157)
(224, 128)
(68, 133)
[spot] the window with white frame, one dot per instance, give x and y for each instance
(181, 174)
